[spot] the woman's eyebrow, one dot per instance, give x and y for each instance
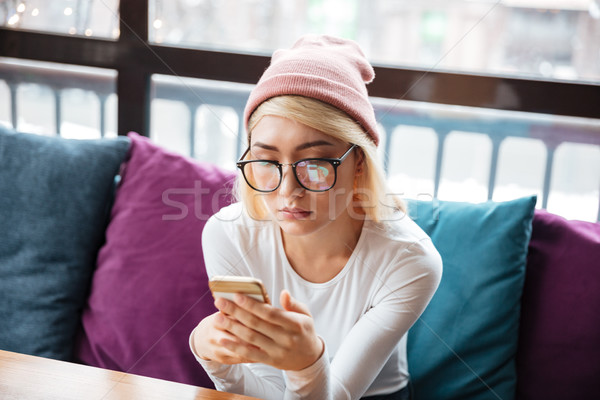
(264, 146)
(313, 144)
(303, 146)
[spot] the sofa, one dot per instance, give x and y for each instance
(101, 263)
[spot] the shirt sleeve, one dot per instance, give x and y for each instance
(406, 289)
(257, 380)
(223, 255)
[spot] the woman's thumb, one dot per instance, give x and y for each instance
(290, 304)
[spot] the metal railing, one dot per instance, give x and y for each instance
(497, 126)
(391, 114)
(57, 80)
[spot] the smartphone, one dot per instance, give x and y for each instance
(226, 286)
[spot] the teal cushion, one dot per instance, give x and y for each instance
(464, 345)
(54, 208)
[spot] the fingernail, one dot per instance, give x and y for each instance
(239, 299)
(220, 302)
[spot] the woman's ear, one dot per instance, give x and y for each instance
(360, 162)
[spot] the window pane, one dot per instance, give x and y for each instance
(521, 168)
(77, 120)
(412, 161)
(5, 106)
(575, 183)
(199, 118)
(465, 167)
(96, 18)
(170, 125)
(214, 120)
(551, 39)
(36, 109)
(58, 99)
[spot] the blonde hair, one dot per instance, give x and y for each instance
(378, 204)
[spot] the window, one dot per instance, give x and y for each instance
(96, 18)
(550, 39)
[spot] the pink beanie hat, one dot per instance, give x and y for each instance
(326, 68)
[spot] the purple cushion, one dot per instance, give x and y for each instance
(150, 288)
(559, 343)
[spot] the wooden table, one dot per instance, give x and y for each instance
(28, 377)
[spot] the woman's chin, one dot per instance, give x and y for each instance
(298, 227)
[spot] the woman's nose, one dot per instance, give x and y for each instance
(289, 185)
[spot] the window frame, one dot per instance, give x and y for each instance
(136, 59)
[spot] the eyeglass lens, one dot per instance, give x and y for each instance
(312, 174)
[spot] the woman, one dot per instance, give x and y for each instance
(348, 271)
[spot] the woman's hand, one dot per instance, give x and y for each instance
(258, 332)
(208, 338)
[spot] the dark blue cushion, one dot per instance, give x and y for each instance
(55, 197)
(464, 345)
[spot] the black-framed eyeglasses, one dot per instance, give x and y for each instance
(314, 174)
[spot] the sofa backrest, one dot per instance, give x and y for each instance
(486, 333)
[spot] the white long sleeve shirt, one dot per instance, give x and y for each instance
(362, 314)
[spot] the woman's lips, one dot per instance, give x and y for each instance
(295, 213)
